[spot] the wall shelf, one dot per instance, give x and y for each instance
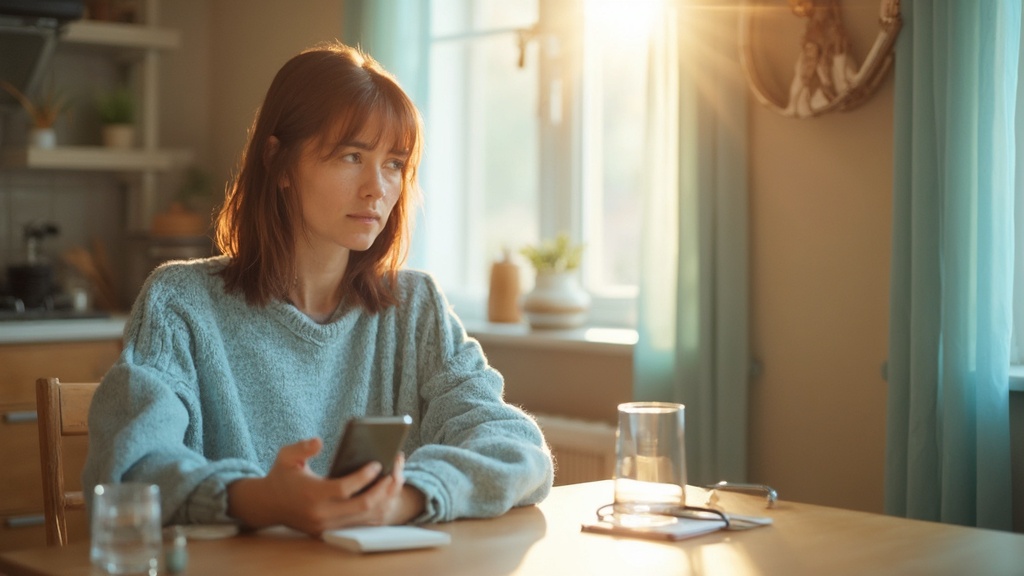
(139, 45)
(118, 35)
(94, 158)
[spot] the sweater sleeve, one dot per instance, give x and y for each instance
(145, 422)
(479, 456)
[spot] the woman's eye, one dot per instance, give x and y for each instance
(352, 157)
(395, 164)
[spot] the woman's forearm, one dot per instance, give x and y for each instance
(250, 502)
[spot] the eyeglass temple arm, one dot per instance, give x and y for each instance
(768, 491)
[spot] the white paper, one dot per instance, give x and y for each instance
(385, 538)
(681, 529)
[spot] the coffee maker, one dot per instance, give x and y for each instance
(32, 281)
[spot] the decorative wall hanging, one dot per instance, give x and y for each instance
(826, 76)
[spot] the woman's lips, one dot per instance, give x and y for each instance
(365, 217)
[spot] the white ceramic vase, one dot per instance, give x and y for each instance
(43, 138)
(556, 301)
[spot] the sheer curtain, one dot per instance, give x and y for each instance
(948, 453)
(693, 312)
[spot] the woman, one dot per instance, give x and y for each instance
(239, 371)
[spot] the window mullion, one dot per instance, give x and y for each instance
(560, 167)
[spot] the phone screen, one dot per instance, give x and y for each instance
(370, 439)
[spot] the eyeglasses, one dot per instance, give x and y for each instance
(770, 494)
(709, 512)
(607, 513)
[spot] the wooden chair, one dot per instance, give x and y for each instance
(63, 410)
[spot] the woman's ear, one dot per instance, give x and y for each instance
(271, 150)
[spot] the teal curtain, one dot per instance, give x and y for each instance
(948, 447)
(693, 307)
(397, 34)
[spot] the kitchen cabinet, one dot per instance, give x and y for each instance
(21, 499)
(139, 45)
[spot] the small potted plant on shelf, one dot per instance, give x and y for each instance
(557, 299)
(43, 112)
(116, 109)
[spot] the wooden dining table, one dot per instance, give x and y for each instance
(547, 540)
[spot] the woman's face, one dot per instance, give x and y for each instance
(346, 198)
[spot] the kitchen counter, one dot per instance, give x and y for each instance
(25, 331)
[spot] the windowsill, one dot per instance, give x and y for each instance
(1017, 378)
(585, 339)
(596, 340)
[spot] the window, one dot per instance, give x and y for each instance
(534, 126)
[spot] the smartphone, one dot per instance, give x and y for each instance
(370, 439)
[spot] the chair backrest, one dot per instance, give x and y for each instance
(63, 410)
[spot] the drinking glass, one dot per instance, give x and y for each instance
(650, 465)
(126, 534)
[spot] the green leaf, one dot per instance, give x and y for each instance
(557, 255)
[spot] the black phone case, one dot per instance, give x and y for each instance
(369, 439)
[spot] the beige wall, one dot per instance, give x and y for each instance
(250, 42)
(230, 50)
(820, 197)
(186, 77)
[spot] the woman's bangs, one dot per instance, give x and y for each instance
(400, 126)
(373, 123)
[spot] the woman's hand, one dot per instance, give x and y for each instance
(293, 495)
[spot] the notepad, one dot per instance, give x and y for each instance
(681, 529)
(385, 538)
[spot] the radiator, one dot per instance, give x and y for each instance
(583, 451)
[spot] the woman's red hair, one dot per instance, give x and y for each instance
(329, 94)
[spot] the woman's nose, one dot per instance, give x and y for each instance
(374, 184)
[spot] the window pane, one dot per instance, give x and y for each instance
(503, 14)
(480, 163)
(452, 17)
(616, 37)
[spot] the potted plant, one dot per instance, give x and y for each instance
(116, 109)
(43, 112)
(558, 255)
(557, 299)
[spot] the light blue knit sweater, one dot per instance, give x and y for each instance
(208, 389)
